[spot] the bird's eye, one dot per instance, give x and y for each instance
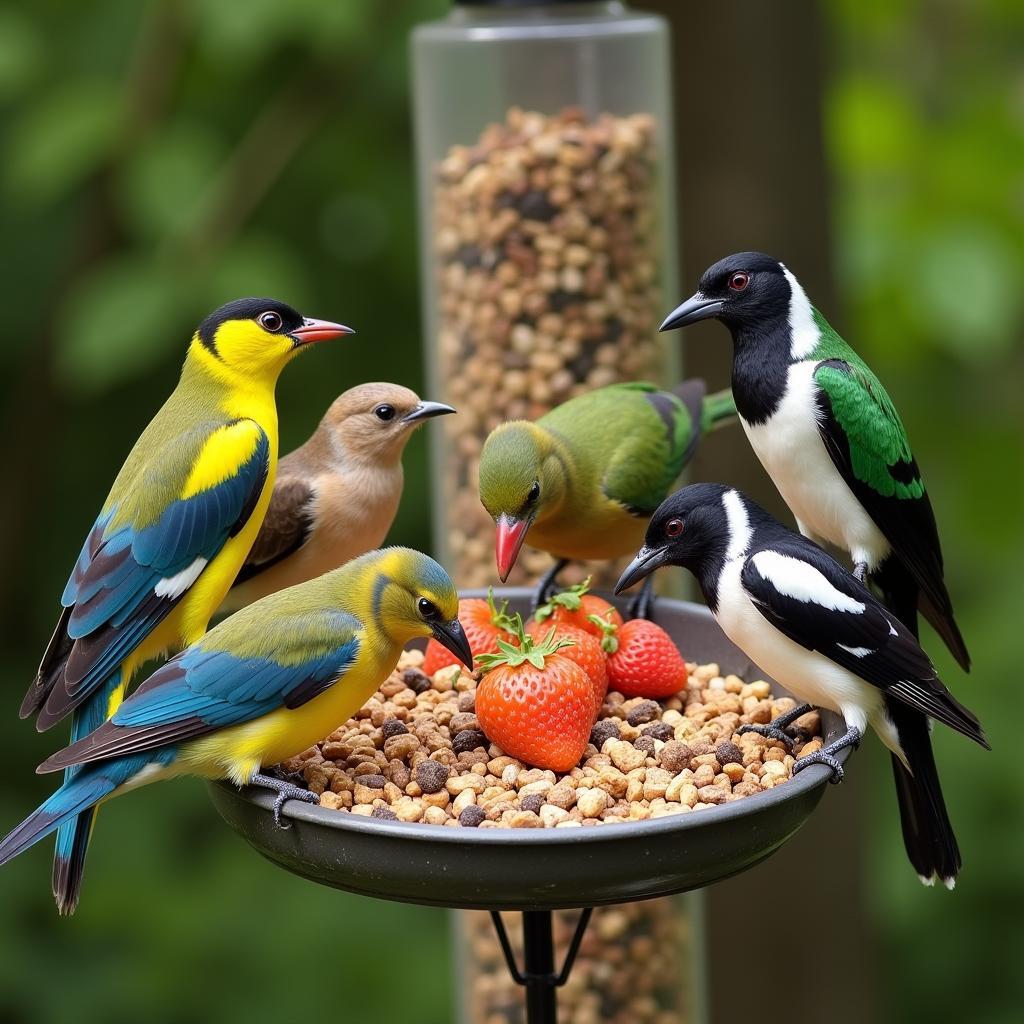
(534, 493)
(384, 412)
(427, 608)
(739, 281)
(673, 528)
(270, 321)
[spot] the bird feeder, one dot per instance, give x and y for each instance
(544, 162)
(534, 872)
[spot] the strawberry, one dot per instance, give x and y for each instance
(586, 651)
(535, 703)
(643, 660)
(577, 607)
(484, 624)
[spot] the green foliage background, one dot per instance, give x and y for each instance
(161, 157)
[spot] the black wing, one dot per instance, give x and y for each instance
(857, 418)
(286, 527)
(819, 605)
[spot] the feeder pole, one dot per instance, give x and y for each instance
(539, 961)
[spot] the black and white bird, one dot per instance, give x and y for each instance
(828, 435)
(810, 624)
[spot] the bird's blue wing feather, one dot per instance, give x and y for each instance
(129, 577)
(206, 688)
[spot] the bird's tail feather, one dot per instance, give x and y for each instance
(691, 394)
(927, 832)
(79, 794)
(73, 836)
(717, 410)
(904, 597)
(51, 668)
(942, 621)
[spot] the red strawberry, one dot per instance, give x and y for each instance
(484, 624)
(643, 661)
(535, 703)
(575, 607)
(586, 651)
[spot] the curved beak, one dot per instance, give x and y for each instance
(695, 308)
(319, 330)
(453, 636)
(427, 411)
(510, 537)
(646, 561)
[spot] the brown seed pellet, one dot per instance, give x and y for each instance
(663, 758)
(546, 236)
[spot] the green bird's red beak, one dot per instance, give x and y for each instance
(510, 537)
(318, 330)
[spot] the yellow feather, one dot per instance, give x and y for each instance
(224, 453)
(239, 751)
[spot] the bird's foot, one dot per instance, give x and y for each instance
(642, 606)
(277, 772)
(860, 572)
(547, 584)
(775, 730)
(285, 791)
(826, 756)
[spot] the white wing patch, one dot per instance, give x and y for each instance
(739, 525)
(803, 331)
(857, 652)
(176, 585)
(803, 582)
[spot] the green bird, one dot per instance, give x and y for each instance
(828, 434)
(583, 480)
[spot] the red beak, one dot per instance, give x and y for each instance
(511, 534)
(319, 330)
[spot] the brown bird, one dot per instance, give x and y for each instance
(336, 496)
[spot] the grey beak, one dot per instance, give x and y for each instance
(646, 561)
(453, 636)
(695, 308)
(426, 411)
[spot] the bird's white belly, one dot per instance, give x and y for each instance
(808, 675)
(794, 455)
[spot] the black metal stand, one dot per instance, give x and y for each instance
(538, 975)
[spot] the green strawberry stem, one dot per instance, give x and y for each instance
(500, 616)
(609, 631)
(569, 599)
(528, 650)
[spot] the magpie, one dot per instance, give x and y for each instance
(810, 624)
(828, 435)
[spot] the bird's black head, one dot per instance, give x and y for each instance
(742, 290)
(690, 528)
(257, 335)
(270, 314)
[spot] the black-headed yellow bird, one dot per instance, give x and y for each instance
(173, 532)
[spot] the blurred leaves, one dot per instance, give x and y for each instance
(117, 325)
(21, 52)
(162, 182)
(61, 138)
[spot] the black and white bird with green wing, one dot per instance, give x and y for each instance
(828, 434)
(807, 622)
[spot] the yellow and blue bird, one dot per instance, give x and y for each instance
(173, 532)
(260, 687)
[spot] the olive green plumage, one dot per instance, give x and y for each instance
(585, 477)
